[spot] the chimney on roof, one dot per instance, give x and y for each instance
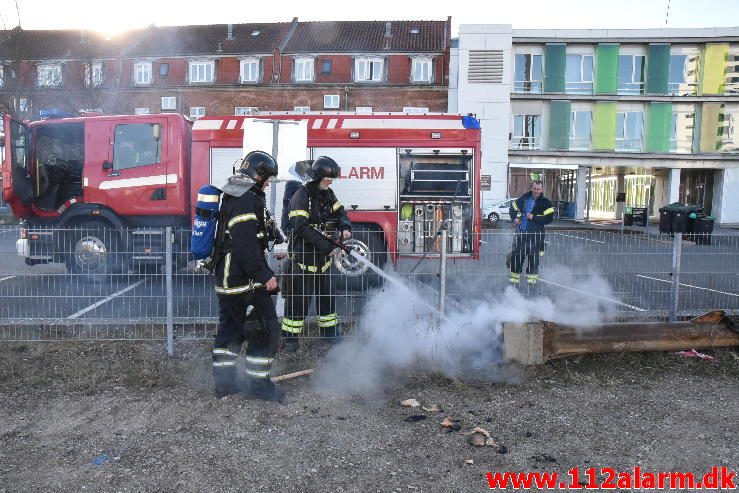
(388, 34)
(230, 32)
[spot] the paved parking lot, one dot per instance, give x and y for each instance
(635, 270)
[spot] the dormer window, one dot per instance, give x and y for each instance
(255, 33)
(142, 73)
(202, 71)
(49, 74)
(93, 74)
(303, 70)
(369, 69)
(422, 70)
(249, 71)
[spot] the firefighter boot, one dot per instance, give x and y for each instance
(262, 388)
(290, 343)
(224, 378)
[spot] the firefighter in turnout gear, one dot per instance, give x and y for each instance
(315, 216)
(244, 282)
(530, 213)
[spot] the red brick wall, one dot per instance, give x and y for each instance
(341, 69)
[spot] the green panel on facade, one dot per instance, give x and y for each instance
(714, 69)
(711, 124)
(554, 68)
(659, 121)
(559, 125)
(606, 69)
(604, 126)
(658, 68)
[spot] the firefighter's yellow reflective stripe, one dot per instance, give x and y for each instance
(298, 213)
(337, 206)
(328, 320)
(224, 352)
(313, 268)
(241, 218)
(548, 211)
(532, 278)
(517, 276)
(258, 374)
(226, 271)
(260, 235)
(309, 268)
(541, 253)
(515, 206)
(292, 322)
(208, 198)
(258, 360)
(292, 326)
(224, 363)
(238, 289)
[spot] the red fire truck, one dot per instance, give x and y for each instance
(97, 192)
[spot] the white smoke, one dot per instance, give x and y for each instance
(399, 330)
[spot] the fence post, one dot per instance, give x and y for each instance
(442, 269)
(675, 291)
(170, 302)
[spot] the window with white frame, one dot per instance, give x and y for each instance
(581, 121)
(93, 74)
(2, 75)
(303, 71)
(528, 69)
(421, 70)
(249, 70)
(683, 72)
(331, 101)
(526, 132)
(415, 110)
(169, 103)
(49, 74)
(629, 130)
(682, 127)
(245, 110)
(201, 72)
(197, 112)
(141, 111)
(363, 109)
(631, 73)
(579, 73)
(142, 72)
(301, 109)
(369, 69)
(23, 104)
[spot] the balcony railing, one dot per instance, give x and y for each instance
(528, 86)
(525, 143)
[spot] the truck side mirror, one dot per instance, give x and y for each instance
(156, 130)
(107, 165)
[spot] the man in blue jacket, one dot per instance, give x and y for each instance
(530, 213)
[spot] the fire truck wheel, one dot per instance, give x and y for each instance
(493, 217)
(93, 249)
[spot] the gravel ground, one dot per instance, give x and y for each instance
(105, 416)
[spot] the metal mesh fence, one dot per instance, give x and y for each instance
(98, 283)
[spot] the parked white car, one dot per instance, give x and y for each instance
(496, 212)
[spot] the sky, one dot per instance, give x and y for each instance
(112, 17)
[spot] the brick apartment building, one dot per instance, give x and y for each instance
(373, 66)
